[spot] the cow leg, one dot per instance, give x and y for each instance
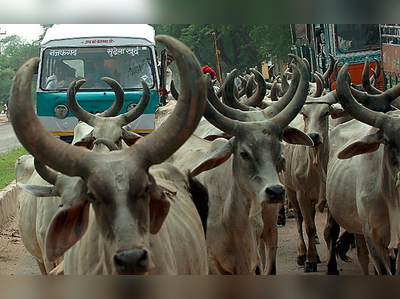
(301, 258)
(378, 251)
(270, 236)
(307, 207)
(331, 234)
(362, 253)
(42, 268)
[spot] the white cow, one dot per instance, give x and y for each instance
(241, 175)
(139, 217)
(362, 191)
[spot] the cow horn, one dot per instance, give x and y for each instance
(366, 82)
(285, 83)
(87, 117)
(295, 105)
(319, 85)
(274, 92)
(329, 71)
(134, 113)
(256, 99)
(228, 93)
(179, 126)
(45, 172)
(53, 152)
(221, 107)
(242, 92)
(250, 86)
(350, 104)
(278, 106)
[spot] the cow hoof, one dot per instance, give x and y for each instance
(318, 259)
(310, 267)
(301, 260)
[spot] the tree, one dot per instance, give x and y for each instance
(240, 46)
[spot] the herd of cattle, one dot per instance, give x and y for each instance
(202, 193)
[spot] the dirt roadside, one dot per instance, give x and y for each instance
(15, 260)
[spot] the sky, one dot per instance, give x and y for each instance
(30, 32)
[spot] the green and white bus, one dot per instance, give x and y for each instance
(124, 52)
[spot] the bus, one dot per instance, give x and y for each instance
(390, 43)
(124, 52)
(347, 43)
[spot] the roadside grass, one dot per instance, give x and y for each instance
(7, 162)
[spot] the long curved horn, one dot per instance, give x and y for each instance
(228, 94)
(285, 83)
(57, 154)
(377, 68)
(256, 99)
(119, 98)
(366, 83)
(350, 104)
(274, 92)
(250, 86)
(45, 172)
(242, 92)
(134, 113)
(87, 117)
(163, 142)
(278, 106)
(221, 107)
(374, 78)
(74, 106)
(319, 85)
(220, 91)
(295, 105)
(329, 71)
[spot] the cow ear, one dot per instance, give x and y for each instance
(216, 157)
(40, 191)
(67, 227)
(85, 141)
(368, 144)
(336, 110)
(159, 208)
(130, 137)
(295, 136)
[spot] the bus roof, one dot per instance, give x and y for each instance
(68, 31)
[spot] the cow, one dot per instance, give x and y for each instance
(363, 178)
(138, 216)
(241, 175)
(42, 194)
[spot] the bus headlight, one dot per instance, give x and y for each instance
(61, 111)
(131, 106)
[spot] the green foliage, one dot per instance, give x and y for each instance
(7, 162)
(14, 52)
(240, 46)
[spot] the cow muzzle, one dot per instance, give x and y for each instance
(132, 262)
(275, 194)
(316, 138)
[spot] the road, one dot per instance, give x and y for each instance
(15, 260)
(8, 140)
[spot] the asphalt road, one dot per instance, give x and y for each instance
(8, 140)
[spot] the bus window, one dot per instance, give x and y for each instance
(127, 65)
(357, 37)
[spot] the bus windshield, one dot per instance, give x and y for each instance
(128, 65)
(357, 37)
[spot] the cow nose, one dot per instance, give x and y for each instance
(276, 194)
(316, 138)
(132, 261)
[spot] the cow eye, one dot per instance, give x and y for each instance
(147, 189)
(245, 155)
(91, 197)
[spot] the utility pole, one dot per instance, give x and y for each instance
(1, 44)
